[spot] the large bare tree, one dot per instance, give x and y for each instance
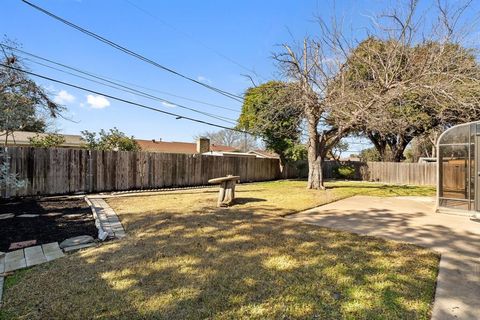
(409, 79)
(313, 67)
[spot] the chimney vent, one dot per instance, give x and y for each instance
(203, 145)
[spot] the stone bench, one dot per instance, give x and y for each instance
(226, 195)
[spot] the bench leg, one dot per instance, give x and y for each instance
(221, 194)
(226, 195)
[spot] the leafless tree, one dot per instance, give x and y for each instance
(230, 138)
(313, 66)
(404, 79)
(408, 79)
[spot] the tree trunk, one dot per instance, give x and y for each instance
(315, 161)
(282, 162)
(397, 155)
(380, 144)
(397, 146)
(433, 139)
(315, 175)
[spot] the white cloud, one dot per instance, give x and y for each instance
(51, 88)
(166, 104)
(63, 97)
(98, 101)
(204, 79)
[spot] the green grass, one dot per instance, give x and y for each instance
(285, 197)
(15, 278)
(185, 259)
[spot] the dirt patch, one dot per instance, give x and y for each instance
(44, 220)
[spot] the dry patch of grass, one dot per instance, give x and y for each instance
(274, 197)
(185, 259)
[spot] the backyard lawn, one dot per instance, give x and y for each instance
(185, 259)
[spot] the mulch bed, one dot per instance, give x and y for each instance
(59, 219)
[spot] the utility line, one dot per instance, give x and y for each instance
(177, 116)
(116, 85)
(136, 92)
(109, 79)
(187, 35)
(174, 95)
(132, 53)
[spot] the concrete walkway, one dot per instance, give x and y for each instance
(27, 257)
(106, 218)
(30, 256)
(412, 219)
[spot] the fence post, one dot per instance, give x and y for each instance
(4, 192)
(90, 172)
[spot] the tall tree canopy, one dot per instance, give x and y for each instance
(24, 105)
(269, 111)
(403, 91)
(409, 76)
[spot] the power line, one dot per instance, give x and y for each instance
(174, 95)
(108, 79)
(132, 53)
(187, 35)
(177, 116)
(139, 93)
(115, 85)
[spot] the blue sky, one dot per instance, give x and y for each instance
(179, 34)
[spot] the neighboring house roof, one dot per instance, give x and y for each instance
(264, 154)
(230, 154)
(350, 159)
(21, 138)
(176, 147)
(427, 159)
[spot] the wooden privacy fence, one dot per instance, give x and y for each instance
(66, 171)
(403, 173)
(387, 172)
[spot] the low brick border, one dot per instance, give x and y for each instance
(1, 289)
(106, 218)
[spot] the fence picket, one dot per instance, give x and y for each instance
(65, 171)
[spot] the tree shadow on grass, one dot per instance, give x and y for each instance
(245, 200)
(373, 185)
(231, 263)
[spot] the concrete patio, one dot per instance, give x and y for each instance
(413, 220)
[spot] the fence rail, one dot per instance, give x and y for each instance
(66, 171)
(402, 173)
(387, 172)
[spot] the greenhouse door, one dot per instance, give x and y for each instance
(476, 171)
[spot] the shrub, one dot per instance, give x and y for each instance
(114, 140)
(345, 172)
(51, 140)
(8, 180)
